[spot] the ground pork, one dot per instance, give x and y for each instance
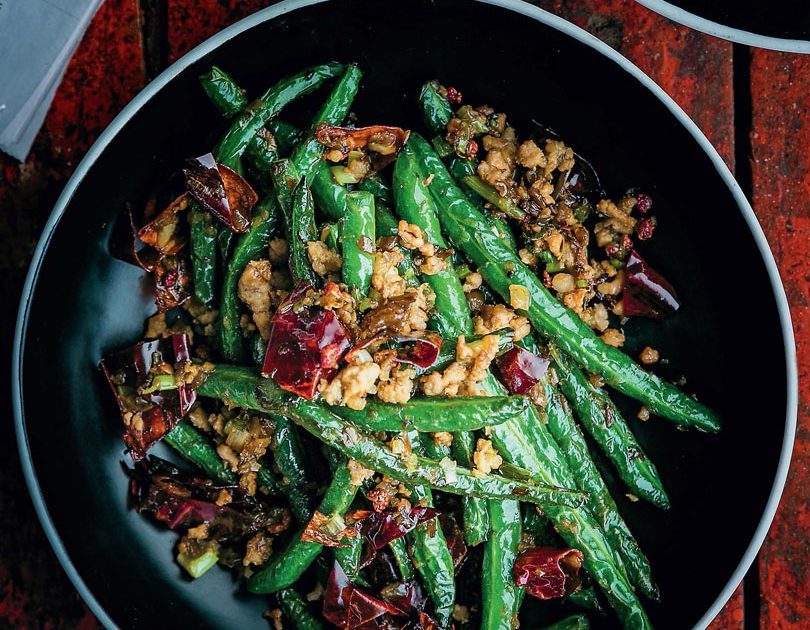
(278, 251)
(395, 383)
(324, 260)
(351, 385)
(258, 551)
(412, 237)
(494, 317)
(486, 458)
(385, 276)
(443, 438)
(255, 291)
(530, 155)
(472, 282)
(445, 383)
(461, 377)
(613, 337)
(359, 473)
(338, 299)
(558, 157)
(496, 169)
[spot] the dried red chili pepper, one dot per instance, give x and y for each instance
(220, 190)
(183, 501)
(163, 233)
(420, 350)
(305, 345)
(520, 369)
(347, 606)
(149, 411)
(455, 541)
(646, 292)
(383, 143)
(380, 528)
(548, 573)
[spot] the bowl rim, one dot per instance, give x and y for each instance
(730, 33)
(288, 6)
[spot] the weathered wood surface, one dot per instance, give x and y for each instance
(780, 169)
(104, 75)
(131, 40)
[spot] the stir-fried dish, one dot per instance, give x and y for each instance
(382, 362)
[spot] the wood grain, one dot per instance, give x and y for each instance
(104, 75)
(780, 169)
(695, 69)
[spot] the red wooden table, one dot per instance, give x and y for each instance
(752, 104)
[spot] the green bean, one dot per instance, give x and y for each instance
(251, 246)
(257, 348)
(572, 444)
(329, 195)
(260, 154)
(357, 233)
(370, 452)
(415, 205)
(195, 447)
(256, 115)
(298, 210)
(475, 518)
(296, 610)
(203, 239)
(238, 387)
(229, 151)
(574, 622)
(431, 555)
(579, 529)
(586, 598)
(490, 195)
(533, 449)
(437, 113)
(287, 136)
(243, 387)
(230, 99)
(451, 315)
(501, 597)
(432, 415)
(285, 567)
(223, 92)
(436, 108)
(288, 454)
(225, 237)
(330, 234)
(502, 268)
(460, 168)
(348, 557)
(308, 153)
(537, 452)
(399, 549)
(375, 184)
(602, 419)
(304, 231)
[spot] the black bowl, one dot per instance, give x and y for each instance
(79, 302)
(776, 24)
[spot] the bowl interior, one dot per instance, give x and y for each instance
(85, 303)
